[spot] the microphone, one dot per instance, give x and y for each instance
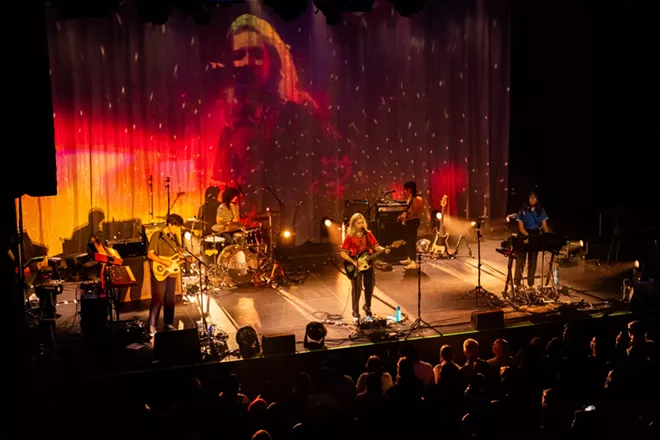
(392, 191)
(179, 194)
(265, 188)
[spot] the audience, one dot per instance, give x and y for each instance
(569, 387)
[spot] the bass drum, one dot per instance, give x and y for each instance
(239, 263)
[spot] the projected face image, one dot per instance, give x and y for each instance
(250, 58)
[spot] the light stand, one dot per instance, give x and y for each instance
(478, 290)
(419, 323)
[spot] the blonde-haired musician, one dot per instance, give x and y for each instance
(359, 240)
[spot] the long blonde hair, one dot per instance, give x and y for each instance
(352, 231)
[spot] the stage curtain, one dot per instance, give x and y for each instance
(323, 114)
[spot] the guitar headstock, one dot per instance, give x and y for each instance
(443, 202)
(398, 243)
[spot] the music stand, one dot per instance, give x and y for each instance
(419, 323)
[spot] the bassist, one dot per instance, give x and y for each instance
(358, 241)
(164, 243)
(410, 219)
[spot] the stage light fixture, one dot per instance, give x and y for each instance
(315, 334)
(573, 247)
(423, 245)
(286, 234)
(288, 10)
(358, 5)
(408, 8)
(248, 342)
(331, 9)
(154, 11)
(636, 264)
(327, 223)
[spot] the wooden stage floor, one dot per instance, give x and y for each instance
(326, 292)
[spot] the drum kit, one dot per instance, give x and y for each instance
(236, 254)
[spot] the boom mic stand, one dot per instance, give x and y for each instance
(419, 323)
(478, 290)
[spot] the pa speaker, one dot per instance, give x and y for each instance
(278, 344)
(177, 347)
(488, 320)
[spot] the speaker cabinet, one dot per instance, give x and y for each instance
(487, 320)
(278, 344)
(177, 347)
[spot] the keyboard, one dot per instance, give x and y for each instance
(121, 276)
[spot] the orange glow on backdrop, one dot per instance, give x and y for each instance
(320, 114)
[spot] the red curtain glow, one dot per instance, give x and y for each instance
(320, 114)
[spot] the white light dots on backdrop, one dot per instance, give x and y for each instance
(358, 89)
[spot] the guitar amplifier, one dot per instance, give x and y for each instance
(148, 230)
(353, 206)
(130, 247)
(388, 212)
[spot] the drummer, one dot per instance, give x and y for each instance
(228, 219)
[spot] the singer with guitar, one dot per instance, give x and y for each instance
(358, 241)
(163, 250)
(532, 222)
(410, 218)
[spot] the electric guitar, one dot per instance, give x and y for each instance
(162, 271)
(364, 260)
(440, 245)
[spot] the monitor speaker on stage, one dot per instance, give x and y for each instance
(487, 320)
(177, 347)
(278, 344)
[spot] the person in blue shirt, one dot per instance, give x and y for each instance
(532, 222)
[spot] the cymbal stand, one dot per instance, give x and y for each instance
(419, 323)
(270, 267)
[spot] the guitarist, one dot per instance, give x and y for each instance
(532, 221)
(164, 243)
(358, 241)
(411, 218)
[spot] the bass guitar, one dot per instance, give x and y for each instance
(162, 271)
(364, 260)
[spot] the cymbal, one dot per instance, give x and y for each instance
(193, 226)
(196, 220)
(226, 227)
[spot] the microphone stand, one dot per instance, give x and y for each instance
(169, 208)
(295, 214)
(478, 290)
(280, 202)
(151, 196)
(167, 186)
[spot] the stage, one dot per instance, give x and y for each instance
(325, 296)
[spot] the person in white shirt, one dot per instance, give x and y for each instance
(374, 365)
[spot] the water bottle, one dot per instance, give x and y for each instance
(398, 314)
